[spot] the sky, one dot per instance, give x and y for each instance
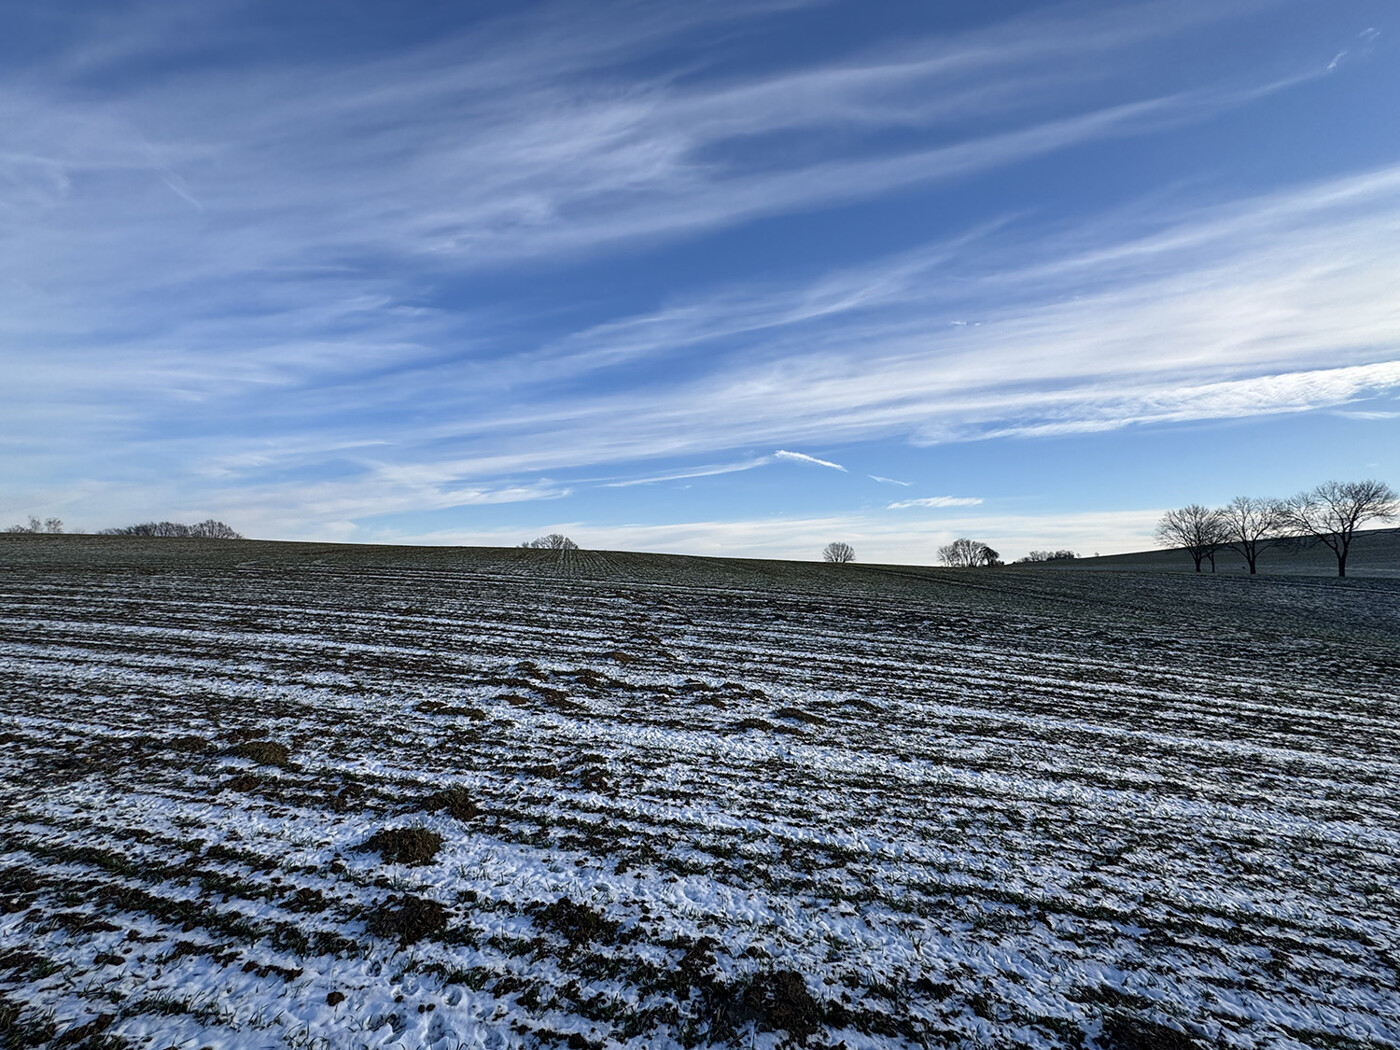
(732, 278)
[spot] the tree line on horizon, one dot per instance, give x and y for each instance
(1328, 515)
(49, 526)
(204, 530)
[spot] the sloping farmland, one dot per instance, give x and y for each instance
(283, 795)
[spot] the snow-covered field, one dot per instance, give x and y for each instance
(261, 795)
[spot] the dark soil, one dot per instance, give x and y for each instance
(576, 923)
(799, 715)
(405, 845)
(781, 1000)
(347, 796)
(412, 920)
(86, 1034)
(456, 801)
(306, 899)
(263, 752)
(1130, 1032)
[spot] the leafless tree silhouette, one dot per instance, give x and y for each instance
(53, 526)
(963, 553)
(1253, 525)
(1331, 513)
(553, 542)
(1199, 530)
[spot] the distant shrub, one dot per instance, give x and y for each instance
(1042, 556)
(553, 542)
(838, 553)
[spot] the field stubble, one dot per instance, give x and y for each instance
(316, 796)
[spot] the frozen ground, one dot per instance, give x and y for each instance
(646, 801)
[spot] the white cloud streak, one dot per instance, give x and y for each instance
(692, 472)
(801, 457)
(935, 501)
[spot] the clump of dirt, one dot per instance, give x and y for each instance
(781, 1000)
(188, 743)
(335, 998)
(507, 681)
(696, 968)
(263, 752)
(306, 899)
(589, 678)
(457, 801)
(744, 690)
(1125, 1031)
(799, 715)
(244, 782)
(438, 707)
(20, 961)
(404, 845)
(645, 853)
(592, 778)
(18, 888)
(287, 973)
(412, 920)
(85, 1034)
(347, 796)
(576, 923)
(744, 725)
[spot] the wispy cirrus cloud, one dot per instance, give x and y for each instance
(224, 289)
(692, 472)
(935, 501)
(802, 457)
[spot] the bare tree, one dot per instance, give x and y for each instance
(963, 553)
(1331, 513)
(553, 542)
(213, 530)
(838, 553)
(1198, 530)
(53, 526)
(1253, 525)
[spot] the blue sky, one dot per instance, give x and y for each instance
(723, 278)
